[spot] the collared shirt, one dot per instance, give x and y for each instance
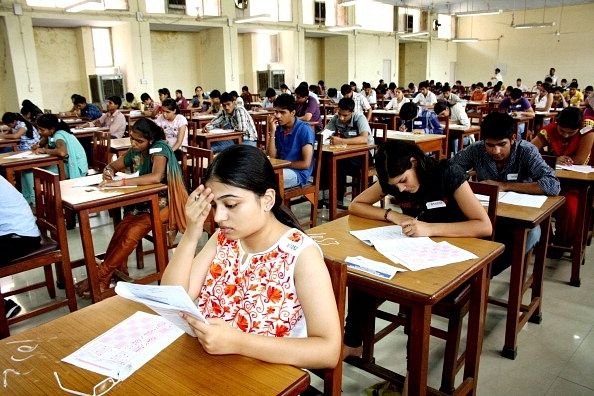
(394, 104)
(91, 111)
(427, 121)
(238, 120)
(525, 165)
(425, 100)
(361, 104)
(289, 146)
(371, 98)
(356, 125)
(310, 106)
(116, 123)
(452, 99)
(457, 113)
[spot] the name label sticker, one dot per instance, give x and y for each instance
(155, 150)
(512, 176)
(435, 204)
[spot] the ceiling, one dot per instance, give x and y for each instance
(453, 6)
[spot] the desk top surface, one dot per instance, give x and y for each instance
(5, 160)
(427, 286)
(182, 368)
(412, 137)
(571, 175)
(528, 215)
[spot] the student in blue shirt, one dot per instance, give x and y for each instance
(88, 110)
(419, 120)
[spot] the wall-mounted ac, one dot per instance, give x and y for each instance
(270, 79)
(104, 86)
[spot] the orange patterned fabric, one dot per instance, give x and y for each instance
(255, 293)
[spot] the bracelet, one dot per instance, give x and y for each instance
(386, 214)
(124, 181)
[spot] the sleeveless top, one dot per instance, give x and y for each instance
(257, 295)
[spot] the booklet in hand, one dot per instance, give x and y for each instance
(167, 301)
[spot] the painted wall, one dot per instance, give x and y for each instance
(441, 54)
(529, 53)
(314, 65)
(335, 70)
(173, 57)
(413, 63)
(59, 68)
(369, 52)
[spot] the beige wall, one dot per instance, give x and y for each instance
(314, 65)
(413, 63)
(529, 53)
(441, 54)
(369, 52)
(336, 72)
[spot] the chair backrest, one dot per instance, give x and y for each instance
(192, 131)
(49, 210)
(101, 150)
(317, 158)
(375, 128)
(551, 160)
(492, 192)
(338, 276)
(260, 122)
(446, 131)
(186, 113)
(195, 160)
(589, 121)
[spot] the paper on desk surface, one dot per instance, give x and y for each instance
(326, 133)
(27, 154)
(219, 130)
(514, 198)
(372, 267)
(126, 347)
(167, 301)
(98, 178)
(379, 233)
(576, 168)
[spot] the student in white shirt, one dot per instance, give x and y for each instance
(425, 97)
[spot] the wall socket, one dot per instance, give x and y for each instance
(144, 81)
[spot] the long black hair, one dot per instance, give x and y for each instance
(51, 121)
(9, 118)
(248, 168)
(148, 129)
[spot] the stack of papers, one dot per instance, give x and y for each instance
(27, 154)
(576, 168)
(413, 253)
(514, 198)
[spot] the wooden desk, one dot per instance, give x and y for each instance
(330, 156)
(584, 183)
(183, 368)
(523, 119)
(120, 146)
(458, 131)
(202, 119)
(419, 290)
(429, 143)
(278, 165)
(475, 105)
(130, 120)
(87, 132)
(519, 220)
(6, 141)
(204, 140)
(84, 202)
(74, 122)
(539, 117)
(11, 165)
(392, 114)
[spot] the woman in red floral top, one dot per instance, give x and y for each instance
(259, 273)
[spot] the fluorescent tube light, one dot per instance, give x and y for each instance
(534, 25)
(343, 28)
(95, 5)
(416, 34)
(465, 40)
(252, 18)
(477, 13)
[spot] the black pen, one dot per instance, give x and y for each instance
(419, 215)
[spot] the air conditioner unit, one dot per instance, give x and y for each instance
(104, 86)
(270, 79)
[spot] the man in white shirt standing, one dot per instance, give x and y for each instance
(425, 97)
(552, 75)
(497, 77)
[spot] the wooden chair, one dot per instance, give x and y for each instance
(195, 160)
(260, 121)
(333, 377)
(454, 308)
(310, 191)
(186, 113)
(101, 151)
(372, 172)
(53, 249)
(192, 131)
(446, 132)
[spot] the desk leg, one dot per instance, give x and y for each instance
(159, 236)
(515, 294)
(332, 165)
(89, 254)
(479, 290)
(418, 357)
(364, 174)
(581, 235)
(540, 254)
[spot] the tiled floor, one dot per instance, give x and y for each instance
(554, 358)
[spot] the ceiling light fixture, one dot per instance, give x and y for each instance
(534, 25)
(252, 18)
(94, 5)
(415, 34)
(477, 13)
(343, 28)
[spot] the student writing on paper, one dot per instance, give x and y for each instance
(564, 140)
(435, 199)
(19, 128)
(511, 164)
(260, 280)
(155, 162)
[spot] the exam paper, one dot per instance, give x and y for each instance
(219, 130)
(372, 267)
(27, 154)
(514, 198)
(577, 168)
(167, 301)
(126, 347)
(379, 233)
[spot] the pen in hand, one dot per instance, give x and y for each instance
(419, 215)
